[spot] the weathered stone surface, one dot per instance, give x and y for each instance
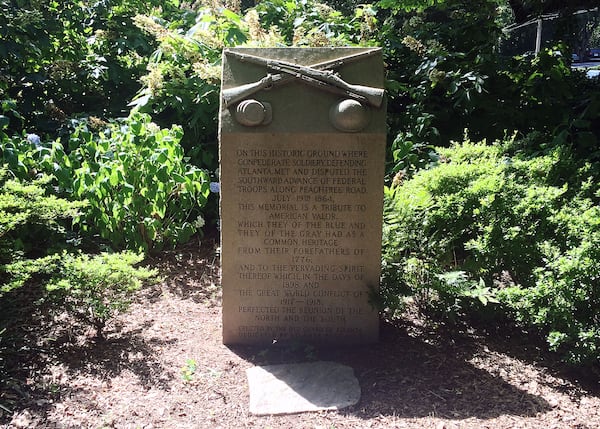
(296, 388)
(301, 204)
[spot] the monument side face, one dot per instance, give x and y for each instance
(302, 170)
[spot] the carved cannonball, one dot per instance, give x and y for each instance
(349, 116)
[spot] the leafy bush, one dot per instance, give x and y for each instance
(565, 296)
(314, 23)
(491, 224)
(35, 245)
(35, 241)
(437, 56)
(139, 191)
(447, 73)
(96, 288)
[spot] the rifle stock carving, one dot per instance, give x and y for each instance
(315, 75)
(238, 93)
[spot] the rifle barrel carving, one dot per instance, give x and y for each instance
(317, 75)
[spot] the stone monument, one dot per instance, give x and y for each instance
(302, 148)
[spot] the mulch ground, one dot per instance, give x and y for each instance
(163, 365)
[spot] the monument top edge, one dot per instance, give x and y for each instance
(323, 50)
(303, 55)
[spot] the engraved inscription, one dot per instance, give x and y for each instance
(304, 213)
(308, 205)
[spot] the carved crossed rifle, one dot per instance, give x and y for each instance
(319, 75)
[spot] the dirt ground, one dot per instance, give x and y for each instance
(163, 366)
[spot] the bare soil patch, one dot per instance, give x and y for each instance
(163, 366)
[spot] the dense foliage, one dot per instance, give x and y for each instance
(182, 81)
(37, 245)
(503, 230)
(32, 227)
(442, 82)
(139, 191)
(108, 131)
(490, 223)
(60, 60)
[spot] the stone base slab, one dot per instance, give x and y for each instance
(296, 388)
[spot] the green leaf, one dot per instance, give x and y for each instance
(162, 174)
(114, 177)
(136, 127)
(160, 207)
(232, 16)
(178, 178)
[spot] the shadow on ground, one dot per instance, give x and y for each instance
(129, 351)
(192, 270)
(405, 376)
(37, 353)
(507, 339)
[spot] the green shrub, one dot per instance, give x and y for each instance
(314, 23)
(488, 223)
(440, 57)
(141, 193)
(565, 296)
(447, 72)
(96, 288)
(36, 245)
(33, 227)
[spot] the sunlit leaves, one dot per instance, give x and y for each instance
(140, 189)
